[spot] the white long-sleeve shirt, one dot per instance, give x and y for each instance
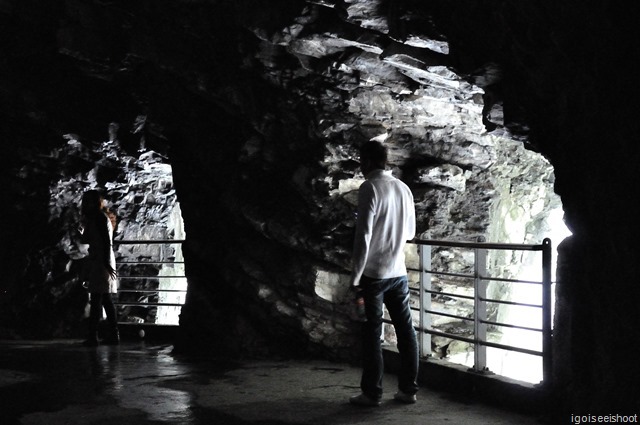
(386, 220)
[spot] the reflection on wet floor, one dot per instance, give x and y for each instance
(142, 370)
(62, 382)
(51, 377)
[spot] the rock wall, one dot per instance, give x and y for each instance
(138, 190)
(260, 110)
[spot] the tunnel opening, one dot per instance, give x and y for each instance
(509, 199)
(138, 189)
(525, 221)
(522, 324)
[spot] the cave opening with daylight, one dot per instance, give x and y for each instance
(138, 190)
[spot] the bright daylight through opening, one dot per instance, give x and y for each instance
(149, 228)
(520, 366)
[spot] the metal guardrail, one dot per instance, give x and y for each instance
(480, 300)
(425, 291)
(149, 262)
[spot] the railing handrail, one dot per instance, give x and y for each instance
(480, 299)
(481, 245)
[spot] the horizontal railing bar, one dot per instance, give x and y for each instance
(489, 300)
(145, 324)
(448, 294)
(152, 277)
(504, 279)
(472, 341)
(485, 343)
(151, 290)
(453, 316)
(149, 262)
(448, 335)
(507, 325)
(437, 273)
(149, 304)
(469, 276)
(511, 348)
(147, 242)
(481, 245)
(438, 333)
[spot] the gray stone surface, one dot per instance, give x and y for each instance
(61, 382)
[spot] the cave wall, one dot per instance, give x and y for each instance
(569, 72)
(49, 299)
(260, 109)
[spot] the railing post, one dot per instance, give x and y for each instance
(480, 309)
(546, 313)
(424, 339)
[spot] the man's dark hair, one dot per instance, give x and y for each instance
(375, 152)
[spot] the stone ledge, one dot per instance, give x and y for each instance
(471, 387)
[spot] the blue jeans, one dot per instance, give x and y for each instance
(394, 293)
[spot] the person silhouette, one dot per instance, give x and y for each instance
(99, 269)
(385, 221)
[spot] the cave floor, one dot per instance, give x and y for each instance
(141, 382)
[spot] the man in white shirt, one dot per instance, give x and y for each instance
(385, 221)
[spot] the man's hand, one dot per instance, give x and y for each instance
(354, 282)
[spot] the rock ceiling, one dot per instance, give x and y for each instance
(296, 90)
(447, 138)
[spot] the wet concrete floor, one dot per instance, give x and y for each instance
(61, 382)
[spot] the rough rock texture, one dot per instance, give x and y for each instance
(139, 191)
(260, 107)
